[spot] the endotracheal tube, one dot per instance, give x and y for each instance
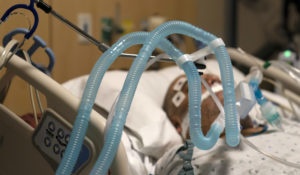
(268, 109)
(138, 67)
(221, 118)
(88, 98)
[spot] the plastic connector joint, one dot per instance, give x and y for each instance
(184, 58)
(207, 50)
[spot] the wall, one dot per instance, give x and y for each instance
(74, 59)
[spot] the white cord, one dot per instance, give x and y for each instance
(213, 95)
(31, 93)
(275, 158)
(39, 100)
(158, 57)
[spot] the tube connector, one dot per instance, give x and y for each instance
(184, 58)
(270, 113)
(200, 54)
(255, 75)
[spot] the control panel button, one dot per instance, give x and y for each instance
(51, 126)
(56, 149)
(47, 142)
(60, 133)
(67, 138)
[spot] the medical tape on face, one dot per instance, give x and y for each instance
(186, 120)
(179, 83)
(179, 97)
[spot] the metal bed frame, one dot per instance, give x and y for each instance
(18, 155)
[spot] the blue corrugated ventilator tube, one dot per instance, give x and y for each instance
(88, 98)
(134, 74)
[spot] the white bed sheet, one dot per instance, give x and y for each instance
(225, 160)
(148, 133)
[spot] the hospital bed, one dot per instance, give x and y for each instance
(148, 132)
(25, 150)
(19, 148)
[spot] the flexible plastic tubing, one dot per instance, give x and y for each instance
(275, 158)
(291, 71)
(114, 132)
(255, 74)
(257, 92)
(202, 142)
(81, 123)
(247, 142)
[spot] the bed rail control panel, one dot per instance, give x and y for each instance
(52, 136)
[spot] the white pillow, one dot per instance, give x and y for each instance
(154, 132)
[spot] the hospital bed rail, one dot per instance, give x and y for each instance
(18, 154)
(292, 90)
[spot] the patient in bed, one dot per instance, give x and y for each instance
(152, 143)
(209, 110)
(222, 159)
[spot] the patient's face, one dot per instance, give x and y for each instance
(209, 110)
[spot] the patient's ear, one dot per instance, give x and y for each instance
(176, 121)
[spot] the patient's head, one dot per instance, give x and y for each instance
(176, 104)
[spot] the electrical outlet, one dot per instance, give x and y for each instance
(84, 23)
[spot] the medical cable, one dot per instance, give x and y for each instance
(17, 48)
(213, 95)
(281, 90)
(284, 67)
(3, 60)
(39, 101)
(156, 59)
(275, 158)
(27, 58)
(205, 142)
(290, 70)
(88, 98)
(250, 144)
